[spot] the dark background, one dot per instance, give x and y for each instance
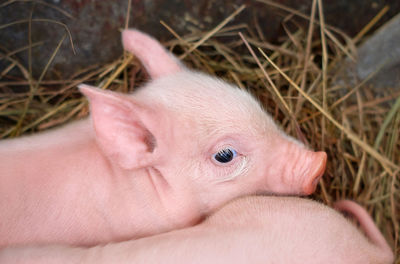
(95, 24)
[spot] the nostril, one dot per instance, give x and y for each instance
(318, 169)
(320, 165)
(316, 180)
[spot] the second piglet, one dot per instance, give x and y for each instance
(156, 160)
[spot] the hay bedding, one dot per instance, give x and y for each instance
(297, 82)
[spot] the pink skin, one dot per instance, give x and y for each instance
(144, 163)
(248, 230)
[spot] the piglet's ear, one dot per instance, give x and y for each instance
(155, 58)
(120, 130)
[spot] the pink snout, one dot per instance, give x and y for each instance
(317, 170)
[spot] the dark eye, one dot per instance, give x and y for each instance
(225, 155)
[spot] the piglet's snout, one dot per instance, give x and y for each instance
(317, 169)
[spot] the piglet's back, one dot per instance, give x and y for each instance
(295, 230)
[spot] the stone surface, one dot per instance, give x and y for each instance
(381, 52)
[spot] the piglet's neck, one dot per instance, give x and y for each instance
(61, 178)
(42, 178)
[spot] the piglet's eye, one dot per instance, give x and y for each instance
(225, 155)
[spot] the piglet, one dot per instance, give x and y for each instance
(152, 161)
(284, 230)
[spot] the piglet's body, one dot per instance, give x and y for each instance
(149, 162)
(284, 230)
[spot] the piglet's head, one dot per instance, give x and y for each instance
(203, 137)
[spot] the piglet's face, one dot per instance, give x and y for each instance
(221, 144)
(204, 140)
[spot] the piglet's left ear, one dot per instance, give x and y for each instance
(120, 127)
(154, 57)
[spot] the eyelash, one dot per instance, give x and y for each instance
(225, 155)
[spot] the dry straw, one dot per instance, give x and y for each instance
(295, 80)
